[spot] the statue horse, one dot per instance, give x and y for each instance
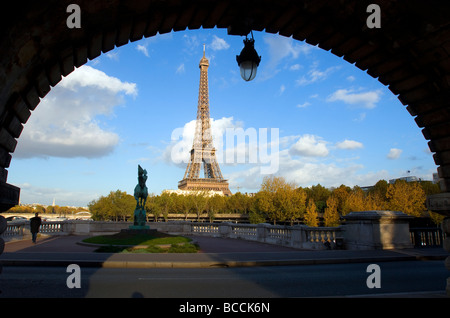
(141, 191)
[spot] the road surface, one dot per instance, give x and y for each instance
(247, 282)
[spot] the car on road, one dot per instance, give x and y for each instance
(15, 218)
(56, 219)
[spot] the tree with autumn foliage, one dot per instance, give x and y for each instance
(311, 216)
(354, 202)
(280, 200)
(407, 197)
(341, 194)
(268, 203)
(290, 202)
(331, 215)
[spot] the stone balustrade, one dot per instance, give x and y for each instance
(21, 229)
(361, 230)
(298, 236)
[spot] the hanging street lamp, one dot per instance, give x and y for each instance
(248, 60)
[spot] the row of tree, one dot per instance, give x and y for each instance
(118, 205)
(278, 201)
(51, 209)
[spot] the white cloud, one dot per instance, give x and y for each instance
(87, 76)
(349, 144)
(282, 89)
(191, 43)
(63, 197)
(394, 153)
(309, 146)
(180, 69)
(304, 105)
(303, 160)
(64, 123)
(304, 172)
(234, 145)
(178, 151)
(295, 67)
(113, 55)
(218, 44)
(143, 49)
(144, 44)
(361, 117)
(279, 49)
(366, 100)
(315, 75)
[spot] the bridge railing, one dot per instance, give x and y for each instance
(297, 236)
(21, 229)
(427, 236)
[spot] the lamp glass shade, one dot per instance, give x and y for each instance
(248, 70)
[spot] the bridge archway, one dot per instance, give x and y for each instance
(410, 53)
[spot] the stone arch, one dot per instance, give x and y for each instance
(410, 53)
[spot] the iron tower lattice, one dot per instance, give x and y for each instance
(203, 152)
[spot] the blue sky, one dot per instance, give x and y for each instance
(137, 104)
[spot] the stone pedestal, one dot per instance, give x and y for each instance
(139, 220)
(368, 230)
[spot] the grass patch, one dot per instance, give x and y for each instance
(157, 243)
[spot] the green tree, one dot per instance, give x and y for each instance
(255, 215)
(236, 203)
(264, 204)
(280, 200)
(430, 188)
(274, 197)
(320, 195)
(293, 202)
(215, 204)
(379, 189)
(116, 206)
(98, 209)
(152, 208)
(200, 203)
(164, 204)
(120, 205)
(40, 209)
(187, 204)
(272, 183)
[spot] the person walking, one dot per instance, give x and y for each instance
(35, 224)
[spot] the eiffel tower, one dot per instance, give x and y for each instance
(203, 152)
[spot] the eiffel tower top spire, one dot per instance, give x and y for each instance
(204, 61)
(203, 152)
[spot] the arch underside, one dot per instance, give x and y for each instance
(410, 53)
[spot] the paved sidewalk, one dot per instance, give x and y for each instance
(214, 252)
